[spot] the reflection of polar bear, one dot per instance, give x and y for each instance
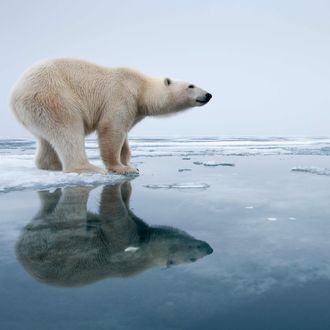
(66, 245)
(62, 100)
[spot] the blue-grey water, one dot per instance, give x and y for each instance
(213, 234)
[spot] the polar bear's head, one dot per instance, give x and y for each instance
(185, 94)
(164, 96)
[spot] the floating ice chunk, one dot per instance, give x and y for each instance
(272, 219)
(292, 218)
(184, 169)
(158, 186)
(131, 249)
(213, 163)
(312, 170)
(249, 207)
(186, 158)
(188, 185)
(26, 176)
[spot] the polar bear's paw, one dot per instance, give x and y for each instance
(124, 169)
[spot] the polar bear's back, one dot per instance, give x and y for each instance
(61, 90)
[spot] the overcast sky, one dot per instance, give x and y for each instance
(267, 63)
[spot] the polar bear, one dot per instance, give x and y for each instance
(60, 101)
(66, 245)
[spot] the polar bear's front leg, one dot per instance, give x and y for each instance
(111, 143)
(125, 154)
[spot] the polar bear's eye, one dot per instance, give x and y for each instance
(191, 86)
(167, 81)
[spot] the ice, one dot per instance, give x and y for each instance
(184, 169)
(185, 147)
(292, 218)
(312, 170)
(249, 207)
(188, 185)
(213, 163)
(271, 219)
(18, 172)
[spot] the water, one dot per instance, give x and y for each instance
(217, 247)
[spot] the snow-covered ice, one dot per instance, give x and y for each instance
(228, 146)
(17, 177)
(18, 170)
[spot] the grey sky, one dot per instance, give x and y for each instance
(267, 63)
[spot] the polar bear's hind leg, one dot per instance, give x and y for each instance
(46, 157)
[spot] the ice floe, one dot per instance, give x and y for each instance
(180, 186)
(19, 172)
(312, 170)
(271, 219)
(212, 163)
(184, 169)
(228, 146)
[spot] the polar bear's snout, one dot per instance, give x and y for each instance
(203, 100)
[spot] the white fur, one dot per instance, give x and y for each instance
(61, 101)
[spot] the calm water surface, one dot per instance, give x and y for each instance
(225, 247)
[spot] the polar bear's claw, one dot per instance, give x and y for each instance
(131, 170)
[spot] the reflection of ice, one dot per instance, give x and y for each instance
(312, 170)
(213, 163)
(188, 185)
(131, 249)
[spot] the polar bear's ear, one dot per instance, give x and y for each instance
(167, 81)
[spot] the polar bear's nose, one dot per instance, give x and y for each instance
(208, 97)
